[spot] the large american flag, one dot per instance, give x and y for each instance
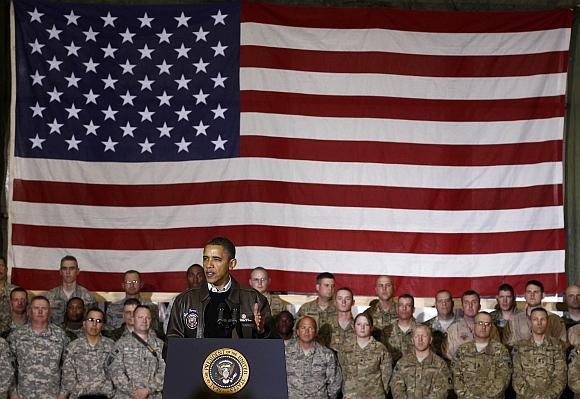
(423, 145)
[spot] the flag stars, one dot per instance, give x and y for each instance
(37, 142)
(109, 51)
(219, 143)
(110, 144)
(219, 112)
(146, 83)
(54, 64)
(109, 113)
(73, 112)
(164, 99)
(127, 36)
(182, 20)
(200, 97)
(72, 80)
(109, 20)
(146, 146)
(200, 66)
(219, 81)
(219, 18)
(182, 114)
(200, 35)
(219, 49)
(54, 33)
(73, 143)
(72, 49)
(164, 68)
(183, 145)
(37, 78)
(91, 97)
(182, 51)
(127, 67)
(90, 35)
(91, 66)
(145, 21)
(164, 36)
(109, 82)
(72, 18)
(54, 95)
(91, 128)
(55, 126)
(146, 115)
(37, 110)
(164, 130)
(201, 129)
(128, 130)
(146, 52)
(182, 83)
(128, 98)
(36, 47)
(35, 15)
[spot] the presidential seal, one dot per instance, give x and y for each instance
(225, 371)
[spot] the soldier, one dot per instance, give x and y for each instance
(312, 370)
(539, 361)
(571, 316)
(284, 326)
(421, 374)
(5, 290)
(321, 309)
(59, 296)
(73, 318)
(481, 367)
(505, 308)
(574, 335)
(6, 369)
(260, 281)
(137, 368)
(519, 326)
(440, 323)
(366, 363)
(18, 311)
(398, 335)
(85, 360)
(339, 331)
(383, 310)
(38, 349)
(128, 320)
(574, 372)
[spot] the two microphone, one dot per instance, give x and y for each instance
(225, 322)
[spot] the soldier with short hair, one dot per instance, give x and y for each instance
(397, 336)
(322, 308)
(260, 281)
(339, 331)
(383, 309)
(574, 372)
(18, 311)
(73, 318)
(441, 323)
(571, 316)
(128, 320)
(6, 369)
(505, 308)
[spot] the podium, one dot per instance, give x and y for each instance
(216, 368)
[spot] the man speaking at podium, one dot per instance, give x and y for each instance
(222, 308)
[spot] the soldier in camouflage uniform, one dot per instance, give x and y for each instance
(571, 316)
(85, 360)
(539, 362)
(136, 368)
(5, 290)
(505, 309)
(440, 323)
(397, 336)
(339, 331)
(59, 296)
(574, 372)
(6, 369)
(38, 349)
(481, 367)
(73, 318)
(383, 310)
(421, 374)
(129, 321)
(366, 363)
(260, 281)
(313, 370)
(322, 309)
(18, 311)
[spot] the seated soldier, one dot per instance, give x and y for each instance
(284, 326)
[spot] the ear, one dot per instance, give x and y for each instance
(232, 264)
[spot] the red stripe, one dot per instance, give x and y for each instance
(406, 20)
(401, 108)
(403, 64)
(299, 282)
(286, 193)
(401, 153)
(289, 237)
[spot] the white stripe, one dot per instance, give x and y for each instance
(290, 171)
(369, 84)
(400, 131)
(322, 39)
(306, 260)
(319, 217)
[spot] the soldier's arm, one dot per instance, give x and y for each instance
(398, 386)
(69, 376)
(519, 382)
(442, 383)
(333, 376)
(156, 385)
(574, 370)
(386, 369)
(556, 385)
(117, 372)
(6, 367)
(503, 372)
(459, 385)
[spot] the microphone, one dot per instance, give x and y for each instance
(220, 320)
(235, 316)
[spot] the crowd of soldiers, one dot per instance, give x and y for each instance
(63, 345)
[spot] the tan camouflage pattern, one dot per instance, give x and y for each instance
(277, 304)
(429, 379)
(398, 343)
(460, 333)
(518, 328)
(321, 316)
(333, 336)
(574, 372)
(381, 318)
(5, 304)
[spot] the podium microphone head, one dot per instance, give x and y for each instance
(235, 314)
(221, 310)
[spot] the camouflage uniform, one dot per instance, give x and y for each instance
(58, 299)
(484, 374)
(84, 369)
(133, 366)
(115, 314)
(316, 375)
(365, 371)
(6, 369)
(574, 335)
(574, 372)
(399, 343)
(73, 333)
(6, 330)
(333, 336)
(429, 378)
(459, 333)
(5, 303)
(277, 304)
(500, 322)
(439, 333)
(539, 369)
(568, 320)
(381, 318)
(518, 328)
(322, 316)
(39, 358)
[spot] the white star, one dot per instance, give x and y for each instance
(54, 33)
(201, 129)
(146, 146)
(54, 64)
(182, 51)
(37, 78)
(200, 97)
(146, 115)
(146, 52)
(72, 80)
(164, 68)
(146, 83)
(72, 18)
(182, 114)
(35, 16)
(110, 144)
(55, 126)
(200, 65)
(219, 143)
(219, 18)
(182, 83)
(109, 82)
(183, 145)
(164, 36)
(200, 35)
(73, 143)
(145, 21)
(127, 67)
(37, 110)
(219, 112)
(127, 36)
(219, 81)
(109, 20)
(219, 49)
(128, 130)
(90, 35)
(164, 130)
(109, 51)
(109, 113)
(37, 142)
(91, 97)
(128, 98)
(36, 47)
(91, 128)
(72, 49)
(73, 112)
(91, 66)
(54, 95)
(164, 99)
(182, 20)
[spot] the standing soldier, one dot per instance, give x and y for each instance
(321, 309)
(5, 290)
(260, 281)
(397, 336)
(539, 362)
(383, 310)
(440, 323)
(421, 374)
(505, 308)
(339, 330)
(481, 367)
(571, 316)
(85, 360)
(6, 369)
(574, 372)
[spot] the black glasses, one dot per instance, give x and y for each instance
(93, 320)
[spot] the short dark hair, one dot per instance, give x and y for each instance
(226, 243)
(143, 307)
(18, 289)
(75, 298)
(536, 283)
(540, 309)
(324, 275)
(286, 312)
(192, 266)
(96, 309)
(346, 289)
(506, 287)
(69, 257)
(40, 298)
(132, 272)
(469, 293)
(131, 301)
(408, 296)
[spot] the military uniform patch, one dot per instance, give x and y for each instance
(191, 319)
